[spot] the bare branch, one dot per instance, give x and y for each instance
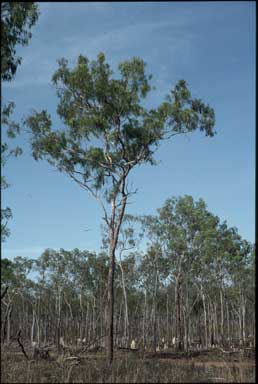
(87, 188)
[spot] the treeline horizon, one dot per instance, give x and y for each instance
(194, 284)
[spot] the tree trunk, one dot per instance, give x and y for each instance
(209, 323)
(144, 320)
(110, 302)
(118, 323)
(38, 328)
(244, 319)
(154, 312)
(205, 319)
(94, 318)
(186, 321)
(8, 334)
(216, 332)
(178, 313)
(85, 330)
(32, 327)
(126, 317)
(228, 322)
(167, 308)
(114, 228)
(81, 321)
(58, 324)
(240, 325)
(222, 316)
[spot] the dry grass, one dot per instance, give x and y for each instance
(127, 368)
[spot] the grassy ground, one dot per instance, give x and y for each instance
(130, 367)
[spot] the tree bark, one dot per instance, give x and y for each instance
(114, 228)
(244, 318)
(205, 318)
(154, 311)
(58, 324)
(32, 327)
(126, 317)
(167, 308)
(9, 312)
(144, 319)
(111, 303)
(216, 336)
(178, 312)
(228, 322)
(222, 316)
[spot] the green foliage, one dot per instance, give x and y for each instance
(17, 18)
(13, 129)
(195, 244)
(186, 114)
(6, 215)
(153, 265)
(14, 274)
(107, 112)
(7, 272)
(76, 271)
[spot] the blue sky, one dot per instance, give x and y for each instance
(209, 44)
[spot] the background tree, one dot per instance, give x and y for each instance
(182, 227)
(177, 224)
(109, 132)
(13, 129)
(14, 277)
(17, 18)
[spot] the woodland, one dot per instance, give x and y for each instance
(170, 288)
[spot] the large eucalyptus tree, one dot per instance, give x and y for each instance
(108, 132)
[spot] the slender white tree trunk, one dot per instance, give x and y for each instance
(126, 316)
(222, 315)
(32, 327)
(205, 318)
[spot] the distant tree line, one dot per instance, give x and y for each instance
(194, 284)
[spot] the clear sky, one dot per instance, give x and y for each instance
(209, 44)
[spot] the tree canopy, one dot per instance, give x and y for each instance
(17, 18)
(107, 130)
